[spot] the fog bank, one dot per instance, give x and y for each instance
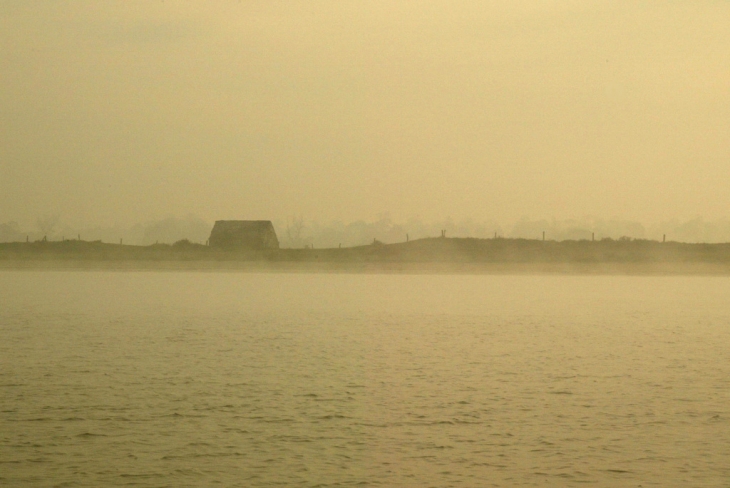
(298, 232)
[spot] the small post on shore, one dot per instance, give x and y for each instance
(79, 236)
(543, 235)
(26, 238)
(664, 238)
(407, 238)
(120, 242)
(593, 236)
(340, 245)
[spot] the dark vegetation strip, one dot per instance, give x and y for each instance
(430, 250)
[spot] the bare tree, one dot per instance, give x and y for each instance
(47, 223)
(294, 229)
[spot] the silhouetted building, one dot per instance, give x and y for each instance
(244, 234)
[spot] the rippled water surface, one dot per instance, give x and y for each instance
(257, 380)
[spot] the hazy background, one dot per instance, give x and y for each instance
(297, 232)
(150, 120)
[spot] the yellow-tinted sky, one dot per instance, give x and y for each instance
(123, 111)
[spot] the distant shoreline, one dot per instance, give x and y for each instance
(431, 255)
(624, 269)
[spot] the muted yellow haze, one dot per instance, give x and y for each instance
(125, 111)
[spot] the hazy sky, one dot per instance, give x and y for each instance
(124, 111)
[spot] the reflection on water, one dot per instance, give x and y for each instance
(188, 379)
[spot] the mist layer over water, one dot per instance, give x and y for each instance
(257, 380)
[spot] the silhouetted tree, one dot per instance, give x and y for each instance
(10, 231)
(47, 223)
(294, 230)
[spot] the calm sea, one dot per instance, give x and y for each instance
(153, 379)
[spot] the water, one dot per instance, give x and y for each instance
(257, 380)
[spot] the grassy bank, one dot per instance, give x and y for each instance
(464, 255)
